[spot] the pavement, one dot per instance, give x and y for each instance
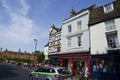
(75, 78)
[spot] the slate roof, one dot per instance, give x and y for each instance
(53, 27)
(98, 15)
(73, 13)
(47, 44)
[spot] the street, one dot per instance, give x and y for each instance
(13, 72)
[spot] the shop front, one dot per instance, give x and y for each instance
(106, 66)
(55, 59)
(72, 61)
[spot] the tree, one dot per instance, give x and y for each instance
(40, 56)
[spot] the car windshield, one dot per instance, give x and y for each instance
(63, 71)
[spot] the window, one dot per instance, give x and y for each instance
(104, 64)
(63, 71)
(69, 28)
(112, 40)
(108, 8)
(79, 40)
(79, 25)
(50, 70)
(110, 25)
(69, 42)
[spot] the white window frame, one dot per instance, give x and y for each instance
(108, 8)
(68, 42)
(110, 25)
(79, 41)
(69, 28)
(112, 39)
(79, 23)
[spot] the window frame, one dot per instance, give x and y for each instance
(110, 25)
(108, 8)
(68, 42)
(112, 39)
(79, 23)
(79, 41)
(69, 28)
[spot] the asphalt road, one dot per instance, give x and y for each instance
(13, 72)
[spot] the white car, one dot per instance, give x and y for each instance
(50, 73)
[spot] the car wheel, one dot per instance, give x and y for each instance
(30, 78)
(48, 79)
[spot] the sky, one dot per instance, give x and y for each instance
(22, 21)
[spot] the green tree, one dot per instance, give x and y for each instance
(40, 56)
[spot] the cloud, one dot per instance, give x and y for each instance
(19, 31)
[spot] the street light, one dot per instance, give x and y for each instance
(35, 47)
(35, 43)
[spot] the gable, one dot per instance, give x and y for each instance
(53, 30)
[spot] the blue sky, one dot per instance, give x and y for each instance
(22, 21)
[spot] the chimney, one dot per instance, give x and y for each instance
(72, 12)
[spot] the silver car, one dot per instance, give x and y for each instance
(50, 73)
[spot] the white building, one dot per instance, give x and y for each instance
(54, 48)
(75, 39)
(105, 28)
(46, 50)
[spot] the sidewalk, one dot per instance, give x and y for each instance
(75, 78)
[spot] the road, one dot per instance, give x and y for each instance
(13, 72)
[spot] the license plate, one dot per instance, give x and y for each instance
(66, 79)
(36, 75)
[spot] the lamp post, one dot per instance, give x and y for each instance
(35, 43)
(35, 47)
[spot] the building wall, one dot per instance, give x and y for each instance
(54, 41)
(20, 55)
(84, 16)
(117, 21)
(98, 40)
(98, 37)
(46, 52)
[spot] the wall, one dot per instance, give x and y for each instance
(98, 37)
(84, 16)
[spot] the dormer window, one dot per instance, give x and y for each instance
(108, 8)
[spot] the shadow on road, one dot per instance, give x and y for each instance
(7, 71)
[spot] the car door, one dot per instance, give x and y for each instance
(39, 74)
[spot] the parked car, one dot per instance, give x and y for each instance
(50, 73)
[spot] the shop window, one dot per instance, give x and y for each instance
(104, 65)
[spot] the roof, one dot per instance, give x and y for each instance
(73, 13)
(47, 44)
(53, 27)
(14, 52)
(98, 15)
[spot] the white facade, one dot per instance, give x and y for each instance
(83, 32)
(46, 52)
(98, 32)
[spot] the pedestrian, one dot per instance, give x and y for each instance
(86, 72)
(81, 71)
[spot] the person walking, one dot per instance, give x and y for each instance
(81, 72)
